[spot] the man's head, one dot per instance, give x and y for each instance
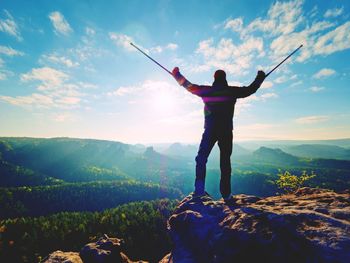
(220, 78)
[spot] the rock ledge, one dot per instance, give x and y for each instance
(312, 225)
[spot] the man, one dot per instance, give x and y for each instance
(219, 103)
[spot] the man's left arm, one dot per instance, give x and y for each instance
(243, 92)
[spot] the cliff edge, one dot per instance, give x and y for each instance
(312, 225)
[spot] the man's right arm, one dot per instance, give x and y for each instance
(193, 88)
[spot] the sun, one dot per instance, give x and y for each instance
(163, 101)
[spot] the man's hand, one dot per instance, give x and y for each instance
(175, 71)
(261, 75)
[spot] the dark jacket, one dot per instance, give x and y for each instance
(219, 100)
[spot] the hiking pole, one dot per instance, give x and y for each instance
(272, 70)
(151, 58)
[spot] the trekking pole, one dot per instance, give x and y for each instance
(272, 70)
(151, 58)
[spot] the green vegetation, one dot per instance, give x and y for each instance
(53, 192)
(289, 183)
(142, 225)
(92, 196)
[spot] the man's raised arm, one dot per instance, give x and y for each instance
(193, 88)
(242, 92)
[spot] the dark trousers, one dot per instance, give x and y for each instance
(209, 138)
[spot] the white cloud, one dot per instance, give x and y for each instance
(283, 18)
(234, 59)
(286, 26)
(312, 119)
(287, 16)
(285, 44)
(62, 60)
(3, 75)
(172, 46)
(35, 99)
(267, 84)
(334, 12)
(60, 23)
(269, 96)
(325, 72)
(121, 91)
(316, 89)
(90, 31)
(296, 83)
(333, 41)
(281, 79)
(234, 24)
(51, 78)
(122, 40)
(53, 90)
(9, 26)
(9, 51)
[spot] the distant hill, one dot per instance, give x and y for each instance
(276, 156)
(319, 151)
(255, 144)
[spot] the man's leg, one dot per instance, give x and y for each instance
(225, 145)
(205, 147)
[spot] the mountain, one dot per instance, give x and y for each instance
(311, 225)
(253, 145)
(276, 156)
(319, 151)
(178, 149)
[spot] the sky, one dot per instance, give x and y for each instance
(67, 68)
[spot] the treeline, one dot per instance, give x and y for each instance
(92, 196)
(14, 176)
(142, 225)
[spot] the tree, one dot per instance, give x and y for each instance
(289, 183)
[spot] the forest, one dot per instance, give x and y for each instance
(61, 193)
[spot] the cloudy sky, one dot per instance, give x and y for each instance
(67, 68)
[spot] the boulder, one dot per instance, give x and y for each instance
(311, 225)
(105, 250)
(63, 257)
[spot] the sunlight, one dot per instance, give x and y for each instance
(163, 101)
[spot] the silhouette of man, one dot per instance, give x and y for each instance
(219, 104)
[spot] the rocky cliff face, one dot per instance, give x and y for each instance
(312, 225)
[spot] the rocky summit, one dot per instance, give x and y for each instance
(311, 225)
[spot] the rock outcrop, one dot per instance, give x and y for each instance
(105, 250)
(312, 225)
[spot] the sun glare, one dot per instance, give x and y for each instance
(163, 101)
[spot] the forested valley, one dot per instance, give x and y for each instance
(61, 193)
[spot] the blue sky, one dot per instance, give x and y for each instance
(67, 69)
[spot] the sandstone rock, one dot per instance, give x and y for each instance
(105, 250)
(63, 257)
(312, 225)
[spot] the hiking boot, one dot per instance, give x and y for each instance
(229, 200)
(199, 193)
